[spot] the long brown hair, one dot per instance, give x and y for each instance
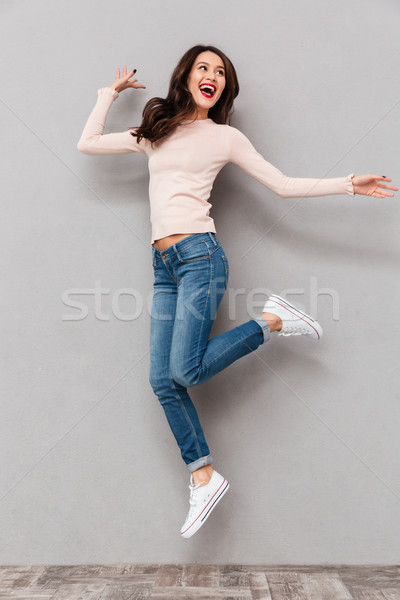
(161, 116)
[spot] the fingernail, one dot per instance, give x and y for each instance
(134, 71)
(383, 175)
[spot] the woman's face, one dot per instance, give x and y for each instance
(208, 69)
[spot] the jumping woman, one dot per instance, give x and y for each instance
(188, 140)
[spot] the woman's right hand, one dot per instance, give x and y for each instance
(122, 83)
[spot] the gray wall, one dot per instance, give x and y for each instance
(307, 434)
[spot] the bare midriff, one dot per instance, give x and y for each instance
(170, 240)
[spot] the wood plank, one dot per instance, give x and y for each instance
(15, 577)
(81, 571)
(324, 586)
(260, 594)
(369, 577)
(259, 585)
(257, 579)
(200, 593)
(169, 575)
(233, 576)
(126, 592)
(286, 585)
(299, 568)
(53, 577)
(200, 576)
(78, 591)
(132, 578)
(27, 595)
(150, 569)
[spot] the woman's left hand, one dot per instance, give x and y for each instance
(368, 185)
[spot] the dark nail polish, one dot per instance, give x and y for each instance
(134, 71)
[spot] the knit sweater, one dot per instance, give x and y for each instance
(184, 165)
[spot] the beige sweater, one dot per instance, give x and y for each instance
(184, 165)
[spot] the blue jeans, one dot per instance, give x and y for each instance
(190, 279)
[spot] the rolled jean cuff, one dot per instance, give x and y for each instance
(200, 462)
(264, 326)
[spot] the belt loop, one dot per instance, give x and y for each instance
(212, 237)
(177, 252)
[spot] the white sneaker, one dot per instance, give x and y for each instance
(294, 321)
(203, 498)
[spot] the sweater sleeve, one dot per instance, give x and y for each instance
(243, 154)
(92, 140)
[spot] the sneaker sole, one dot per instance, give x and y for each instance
(202, 518)
(314, 324)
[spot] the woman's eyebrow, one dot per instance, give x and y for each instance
(202, 62)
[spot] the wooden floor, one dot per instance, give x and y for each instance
(184, 582)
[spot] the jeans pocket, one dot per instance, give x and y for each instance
(194, 253)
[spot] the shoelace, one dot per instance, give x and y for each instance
(293, 331)
(193, 488)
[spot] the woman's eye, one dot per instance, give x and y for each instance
(204, 66)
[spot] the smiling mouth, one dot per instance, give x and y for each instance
(208, 91)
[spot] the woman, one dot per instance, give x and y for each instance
(188, 141)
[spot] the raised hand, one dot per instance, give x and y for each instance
(124, 82)
(368, 185)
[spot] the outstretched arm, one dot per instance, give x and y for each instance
(243, 154)
(92, 140)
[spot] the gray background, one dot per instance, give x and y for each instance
(307, 434)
